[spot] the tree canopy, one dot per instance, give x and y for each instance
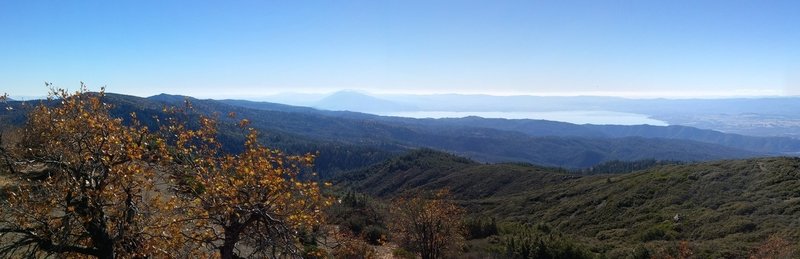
(92, 185)
(256, 196)
(432, 227)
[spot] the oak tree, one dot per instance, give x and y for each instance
(91, 185)
(251, 203)
(431, 227)
(86, 184)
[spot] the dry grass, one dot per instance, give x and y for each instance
(5, 181)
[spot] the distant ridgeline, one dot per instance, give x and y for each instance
(766, 116)
(348, 140)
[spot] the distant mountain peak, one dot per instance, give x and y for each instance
(354, 91)
(349, 100)
(352, 94)
(166, 95)
(169, 97)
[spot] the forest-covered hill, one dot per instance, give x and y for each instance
(364, 139)
(541, 128)
(722, 208)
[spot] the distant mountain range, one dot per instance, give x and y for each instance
(768, 116)
(521, 103)
(365, 138)
(543, 128)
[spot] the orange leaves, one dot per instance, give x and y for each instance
(105, 183)
(99, 172)
(257, 186)
(4, 99)
(244, 123)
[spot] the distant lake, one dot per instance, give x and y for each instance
(576, 117)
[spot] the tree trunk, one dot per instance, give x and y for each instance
(226, 251)
(106, 251)
(96, 228)
(229, 244)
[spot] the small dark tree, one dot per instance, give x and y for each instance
(431, 227)
(481, 228)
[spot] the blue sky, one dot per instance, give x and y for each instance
(256, 48)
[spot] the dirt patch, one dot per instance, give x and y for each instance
(385, 251)
(5, 181)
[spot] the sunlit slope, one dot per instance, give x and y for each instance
(722, 207)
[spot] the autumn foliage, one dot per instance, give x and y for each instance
(91, 185)
(255, 197)
(773, 248)
(430, 226)
(87, 185)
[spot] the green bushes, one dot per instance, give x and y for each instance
(480, 227)
(725, 208)
(663, 231)
(361, 216)
(543, 246)
(540, 242)
(654, 233)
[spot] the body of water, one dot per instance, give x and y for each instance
(576, 117)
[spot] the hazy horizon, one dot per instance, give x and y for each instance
(324, 93)
(626, 49)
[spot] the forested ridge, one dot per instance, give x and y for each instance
(371, 138)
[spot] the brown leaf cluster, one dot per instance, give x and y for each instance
(432, 227)
(256, 196)
(91, 185)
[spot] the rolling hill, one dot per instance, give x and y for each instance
(722, 208)
(544, 128)
(484, 144)
(366, 138)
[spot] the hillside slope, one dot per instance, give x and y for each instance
(425, 170)
(723, 208)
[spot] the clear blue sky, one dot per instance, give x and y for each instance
(240, 48)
